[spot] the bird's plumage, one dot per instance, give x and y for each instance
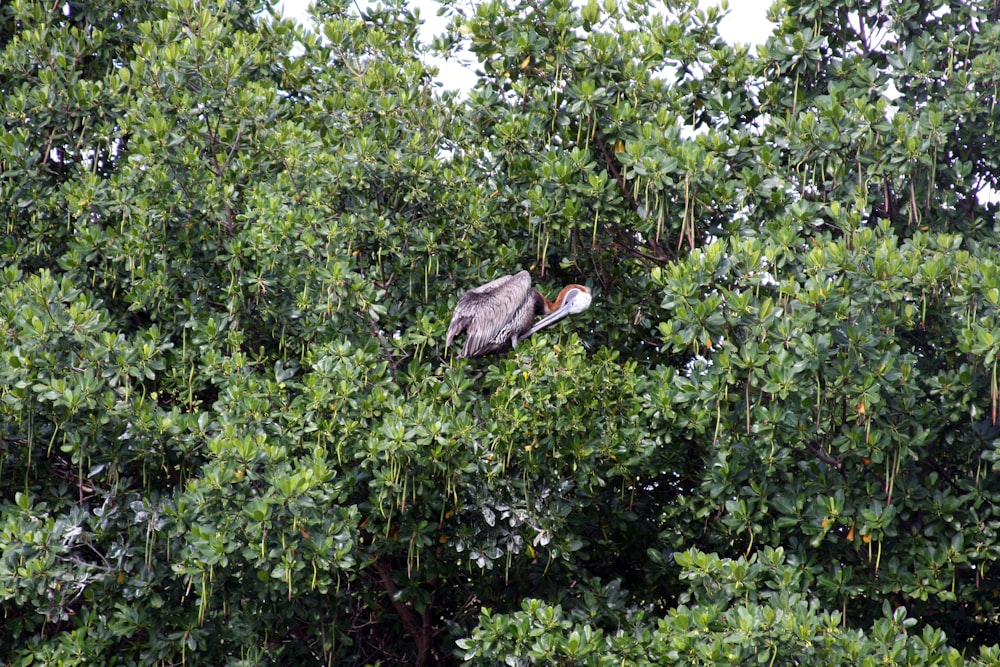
(499, 314)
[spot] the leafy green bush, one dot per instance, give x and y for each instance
(231, 248)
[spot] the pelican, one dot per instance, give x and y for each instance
(501, 313)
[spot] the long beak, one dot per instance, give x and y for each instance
(553, 317)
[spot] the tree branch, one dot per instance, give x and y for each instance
(825, 458)
(419, 629)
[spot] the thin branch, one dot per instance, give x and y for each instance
(419, 629)
(825, 458)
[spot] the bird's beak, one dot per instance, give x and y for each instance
(551, 318)
(579, 304)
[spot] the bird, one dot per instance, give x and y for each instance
(500, 314)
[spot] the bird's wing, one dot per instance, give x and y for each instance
(486, 314)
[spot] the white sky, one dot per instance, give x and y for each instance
(746, 22)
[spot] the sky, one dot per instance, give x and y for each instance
(746, 22)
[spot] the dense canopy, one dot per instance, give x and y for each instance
(231, 246)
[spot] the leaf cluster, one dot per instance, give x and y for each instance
(231, 247)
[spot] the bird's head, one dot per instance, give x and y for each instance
(571, 300)
(574, 299)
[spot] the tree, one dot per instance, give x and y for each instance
(830, 402)
(231, 434)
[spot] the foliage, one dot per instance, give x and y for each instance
(737, 612)
(231, 248)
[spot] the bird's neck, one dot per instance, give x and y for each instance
(551, 306)
(542, 305)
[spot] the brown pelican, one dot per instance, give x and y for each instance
(500, 314)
